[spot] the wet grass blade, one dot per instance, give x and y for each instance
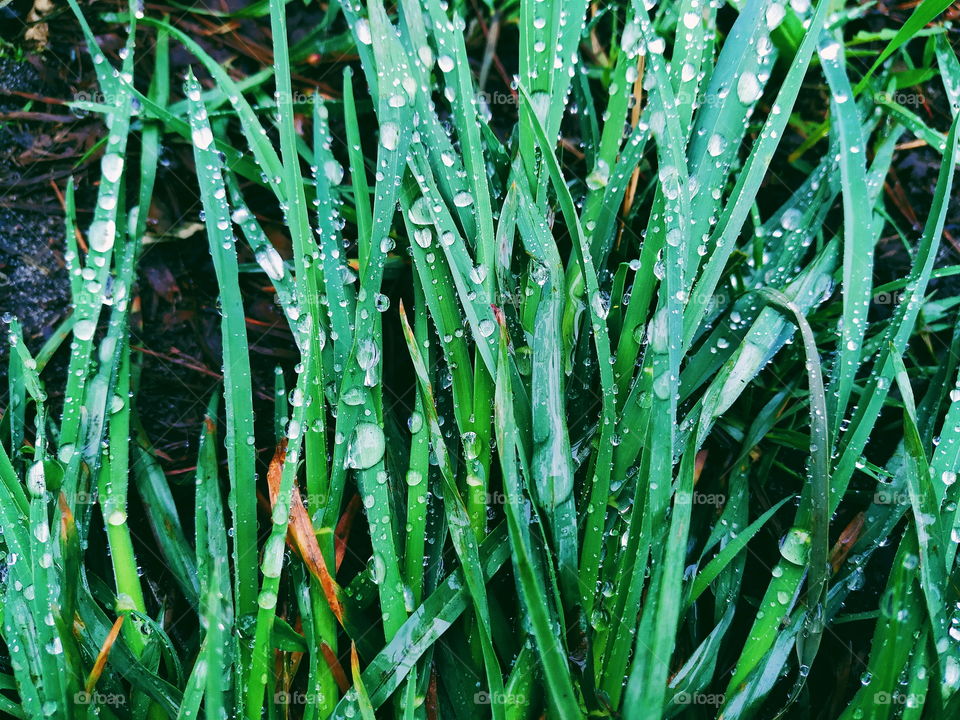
(597, 311)
(463, 537)
(859, 236)
(923, 13)
(928, 526)
(238, 391)
(213, 568)
(552, 656)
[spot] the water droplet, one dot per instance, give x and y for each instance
(830, 51)
(716, 145)
(389, 135)
(423, 237)
(101, 235)
(333, 171)
(366, 446)
(775, 15)
(84, 329)
(415, 422)
(486, 327)
(269, 259)
(748, 88)
(202, 137)
(112, 167)
(362, 28)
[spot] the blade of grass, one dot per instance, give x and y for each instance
(238, 390)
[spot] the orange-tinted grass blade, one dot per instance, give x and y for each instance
(304, 537)
(104, 654)
(342, 533)
(843, 545)
(335, 668)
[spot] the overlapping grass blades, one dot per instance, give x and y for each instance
(591, 347)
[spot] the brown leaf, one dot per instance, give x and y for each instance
(304, 537)
(342, 533)
(698, 464)
(38, 32)
(163, 282)
(845, 542)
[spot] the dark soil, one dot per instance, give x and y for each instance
(33, 279)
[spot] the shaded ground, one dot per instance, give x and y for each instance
(33, 278)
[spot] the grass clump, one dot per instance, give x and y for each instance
(588, 415)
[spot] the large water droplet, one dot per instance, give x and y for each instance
(366, 446)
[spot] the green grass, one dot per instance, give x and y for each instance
(596, 410)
